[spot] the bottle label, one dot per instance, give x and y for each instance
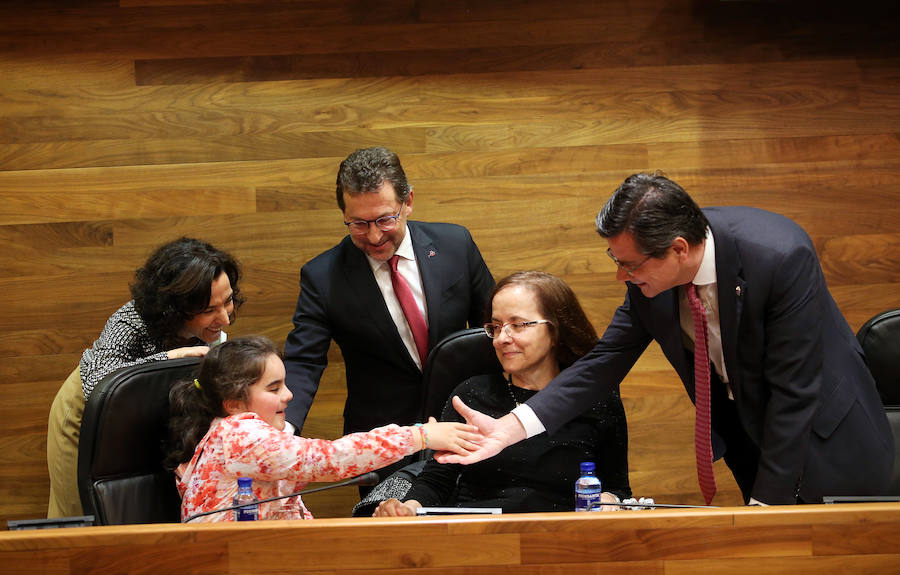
(583, 501)
(250, 513)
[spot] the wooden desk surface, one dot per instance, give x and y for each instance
(846, 538)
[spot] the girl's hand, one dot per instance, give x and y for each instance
(395, 508)
(459, 438)
(193, 351)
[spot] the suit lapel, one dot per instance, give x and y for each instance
(666, 315)
(368, 299)
(428, 258)
(731, 291)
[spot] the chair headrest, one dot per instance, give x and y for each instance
(880, 340)
(454, 359)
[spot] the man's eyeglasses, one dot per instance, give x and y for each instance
(384, 223)
(513, 327)
(628, 270)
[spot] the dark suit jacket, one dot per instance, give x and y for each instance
(340, 300)
(801, 387)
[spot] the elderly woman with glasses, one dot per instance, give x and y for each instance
(538, 328)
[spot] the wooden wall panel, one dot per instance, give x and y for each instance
(125, 124)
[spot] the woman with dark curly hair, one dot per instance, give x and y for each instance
(183, 297)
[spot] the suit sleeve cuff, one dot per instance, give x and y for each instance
(529, 420)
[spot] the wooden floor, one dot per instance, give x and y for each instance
(125, 124)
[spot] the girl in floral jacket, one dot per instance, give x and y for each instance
(229, 422)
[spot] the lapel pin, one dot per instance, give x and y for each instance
(432, 253)
(737, 291)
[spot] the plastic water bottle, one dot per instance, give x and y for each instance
(587, 488)
(245, 495)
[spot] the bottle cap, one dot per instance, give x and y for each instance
(587, 466)
(248, 481)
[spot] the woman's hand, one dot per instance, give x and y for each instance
(395, 508)
(607, 497)
(459, 438)
(193, 351)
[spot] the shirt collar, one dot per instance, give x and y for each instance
(405, 251)
(706, 274)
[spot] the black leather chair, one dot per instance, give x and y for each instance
(880, 340)
(454, 359)
(121, 479)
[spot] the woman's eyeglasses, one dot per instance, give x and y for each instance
(513, 327)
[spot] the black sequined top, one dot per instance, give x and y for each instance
(537, 474)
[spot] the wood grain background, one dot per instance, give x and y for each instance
(125, 124)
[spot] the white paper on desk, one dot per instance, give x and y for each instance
(459, 511)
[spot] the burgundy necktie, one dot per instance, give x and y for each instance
(410, 310)
(702, 444)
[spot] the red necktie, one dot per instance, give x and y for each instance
(702, 444)
(410, 310)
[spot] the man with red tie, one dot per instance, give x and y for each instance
(387, 293)
(737, 301)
